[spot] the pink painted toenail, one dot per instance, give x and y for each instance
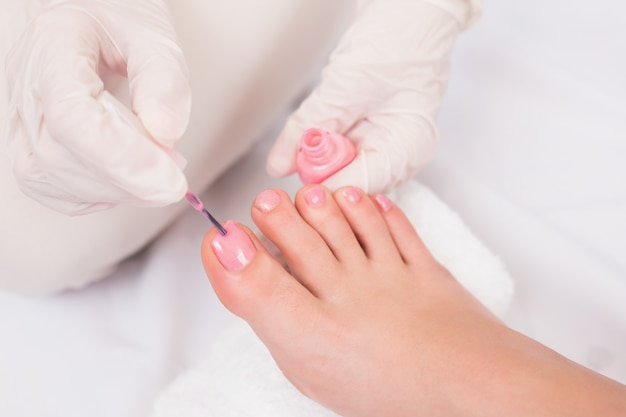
(315, 195)
(235, 249)
(267, 201)
(352, 194)
(383, 202)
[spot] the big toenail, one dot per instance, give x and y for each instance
(234, 249)
(352, 194)
(315, 195)
(267, 201)
(383, 202)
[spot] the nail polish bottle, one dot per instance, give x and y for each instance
(321, 154)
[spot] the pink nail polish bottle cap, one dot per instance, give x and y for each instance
(322, 154)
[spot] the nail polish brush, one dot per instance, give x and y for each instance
(198, 205)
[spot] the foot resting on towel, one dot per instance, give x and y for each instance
(366, 322)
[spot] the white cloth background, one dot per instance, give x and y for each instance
(532, 156)
(533, 139)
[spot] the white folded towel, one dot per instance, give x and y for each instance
(239, 378)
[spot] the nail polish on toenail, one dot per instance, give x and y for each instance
(383, 202)
(315, 195)
(267, 201)
(235, 249)
(352, 194)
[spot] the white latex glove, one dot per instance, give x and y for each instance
(382, 89)
(72, 145)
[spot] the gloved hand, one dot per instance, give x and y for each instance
(72, 145)
(382, 89)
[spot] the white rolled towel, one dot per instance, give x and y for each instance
(239, 378)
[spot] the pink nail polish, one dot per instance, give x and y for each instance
(267, 201)
(322, 154)
(352, 194)
(383, 202)
(235, 249)
(315, 196)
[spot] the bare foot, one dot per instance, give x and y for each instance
(367, 323)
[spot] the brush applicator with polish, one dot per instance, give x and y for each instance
(198, 205)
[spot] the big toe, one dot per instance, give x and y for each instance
(253, 285)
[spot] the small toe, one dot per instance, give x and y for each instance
(318, 207)
(367, 224)
(404, 235)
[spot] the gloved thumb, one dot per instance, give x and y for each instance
(390, 151)
(160, 92)
(144, 48)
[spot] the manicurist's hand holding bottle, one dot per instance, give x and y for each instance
(382, 89)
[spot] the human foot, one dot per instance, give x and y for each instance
(367, 322)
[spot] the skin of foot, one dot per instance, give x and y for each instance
(366, 322)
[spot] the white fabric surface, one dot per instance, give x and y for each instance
(532, 150)
(533, 139)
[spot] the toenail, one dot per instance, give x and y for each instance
(352, 194)
(234, 249)
(383, 202)
(267, 200)
(315, 195)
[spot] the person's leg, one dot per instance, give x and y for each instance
(248, 61)
(368, 323)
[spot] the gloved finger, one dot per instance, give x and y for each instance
(35, 181)
(123, 153)
(51, 174)
(70, 67)
(154, 64)
(159, 83)
(391, 149)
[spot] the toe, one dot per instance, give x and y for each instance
(254, 286)
(308, 256)
(404, 235)
(318, 207)
(367, 224)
